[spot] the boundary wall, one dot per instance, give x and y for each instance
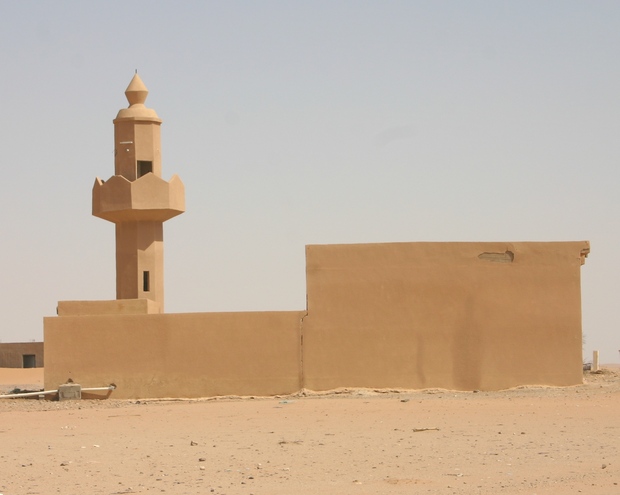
(177, 355)
(461, 316)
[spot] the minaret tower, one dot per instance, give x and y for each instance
(137, 200)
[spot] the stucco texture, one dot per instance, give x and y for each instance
(176, 355)
(462, 316)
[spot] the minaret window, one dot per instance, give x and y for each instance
(144, 167)
(146, 282)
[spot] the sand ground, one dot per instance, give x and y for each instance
(534, 440)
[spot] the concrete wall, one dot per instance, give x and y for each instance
(177, 355)
(113, 307)
(12, 354)
(461, 316)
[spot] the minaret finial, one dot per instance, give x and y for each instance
(136, 92)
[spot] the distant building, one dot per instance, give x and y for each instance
(21, 355)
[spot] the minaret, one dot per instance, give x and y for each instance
(137, 200)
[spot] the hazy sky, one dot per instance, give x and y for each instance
(295, 123)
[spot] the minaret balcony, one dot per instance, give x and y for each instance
(148, 198)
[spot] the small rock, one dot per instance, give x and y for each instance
(604, 466)
(202, 459)
(202, 468)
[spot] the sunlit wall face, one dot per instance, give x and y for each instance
(309, 123)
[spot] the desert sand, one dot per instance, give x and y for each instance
(531, 440)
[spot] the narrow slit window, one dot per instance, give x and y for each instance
(144, 167)
(146, 281)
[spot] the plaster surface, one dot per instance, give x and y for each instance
(461, 316)
(113, 307)
(177, 355)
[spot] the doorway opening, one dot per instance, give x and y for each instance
(29, 361)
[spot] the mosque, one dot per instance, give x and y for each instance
(460, 316)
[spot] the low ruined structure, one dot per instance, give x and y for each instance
(21, 355)
(463, 316)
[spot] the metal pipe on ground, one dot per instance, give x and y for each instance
(48, 392)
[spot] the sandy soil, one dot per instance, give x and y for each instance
(525, 441)
(24, 379)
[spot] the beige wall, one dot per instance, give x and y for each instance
(451, 315)
(177, 355)
(113, 307)
(461, 316)
(12, 354)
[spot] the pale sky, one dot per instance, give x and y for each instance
(295, 123)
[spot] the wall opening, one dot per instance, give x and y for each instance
(144, 167)
(506, 257)
(146, 281)
(29, 361)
